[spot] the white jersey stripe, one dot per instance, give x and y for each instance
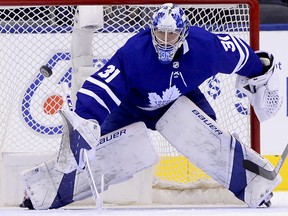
(107, 89)
(243, 55)
(93, 95)
(246, 51)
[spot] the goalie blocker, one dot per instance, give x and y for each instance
(216, 152)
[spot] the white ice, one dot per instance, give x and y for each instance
(279, 208)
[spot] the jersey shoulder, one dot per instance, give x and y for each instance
(139, 41)
(137, 47)
(200, 34)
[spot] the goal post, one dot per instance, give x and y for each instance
(37, 33)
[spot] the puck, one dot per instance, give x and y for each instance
(45, 71)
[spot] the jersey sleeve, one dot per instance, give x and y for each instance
(102, 91)
(233, 55)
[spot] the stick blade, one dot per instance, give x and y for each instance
(252, 167)
(271, 175)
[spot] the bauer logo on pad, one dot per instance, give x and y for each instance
(207, 122)
(111, 136)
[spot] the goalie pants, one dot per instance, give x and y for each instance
(127, 114)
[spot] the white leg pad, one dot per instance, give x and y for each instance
(118, 156)
(215, 151)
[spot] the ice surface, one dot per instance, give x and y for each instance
(279, 208)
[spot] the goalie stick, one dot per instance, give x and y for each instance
(47, 72)
(98, 198)
(268, 174)
(67, 93)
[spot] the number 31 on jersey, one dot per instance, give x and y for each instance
(109, 74)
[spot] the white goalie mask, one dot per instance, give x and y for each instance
(169, 29)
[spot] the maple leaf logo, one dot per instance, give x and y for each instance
(156, 101)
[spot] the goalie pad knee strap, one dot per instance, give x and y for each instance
(215, 151)
(118, 156)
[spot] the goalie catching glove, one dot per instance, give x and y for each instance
(263, 90)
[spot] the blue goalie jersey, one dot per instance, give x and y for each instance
(135, 75)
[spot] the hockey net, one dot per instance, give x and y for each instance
(32, 36)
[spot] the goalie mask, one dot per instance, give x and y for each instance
(169, 29)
